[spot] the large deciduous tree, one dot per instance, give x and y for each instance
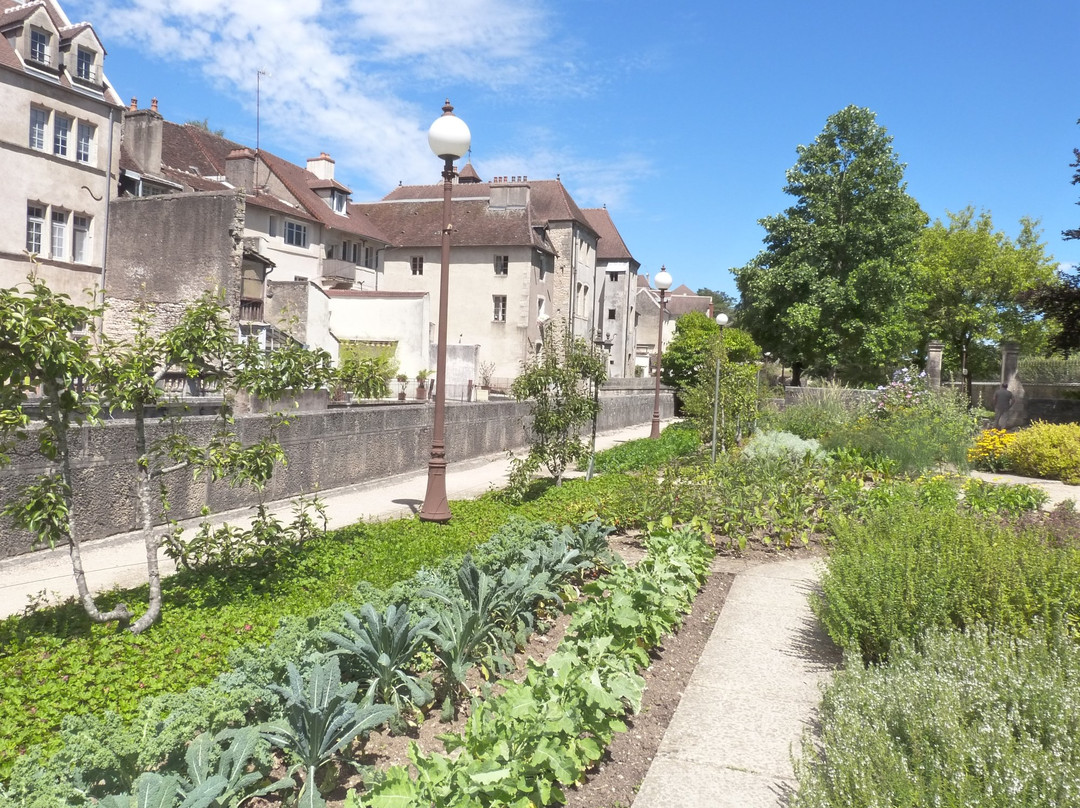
(1059, 299)
(828, 292)
(972, 279)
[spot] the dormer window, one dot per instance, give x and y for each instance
(84, 64)
(39, 46)
(338, 201)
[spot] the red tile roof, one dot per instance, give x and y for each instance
(196, 158)
(611, 246)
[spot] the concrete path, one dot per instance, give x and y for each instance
(1056, 491)
(750, 699)
(45, 577)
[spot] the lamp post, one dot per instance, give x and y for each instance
(449, 139)
(721, 320)
(663, 283)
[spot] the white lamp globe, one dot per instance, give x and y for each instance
(448, 136)
(721, 319)
(663, 280)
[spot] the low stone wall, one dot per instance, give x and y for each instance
(326, 449)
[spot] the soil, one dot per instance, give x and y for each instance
(615, 782)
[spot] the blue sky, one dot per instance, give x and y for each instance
(681, 118)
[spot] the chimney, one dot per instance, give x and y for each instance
(240, 169)
(321, 166)
(134, 104)
(153, 104)
(142, 136)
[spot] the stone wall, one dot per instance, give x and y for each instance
(166, 250)
(326, 450)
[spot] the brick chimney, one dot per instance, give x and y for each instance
(240, 169)
(142, 136)
(321, 166)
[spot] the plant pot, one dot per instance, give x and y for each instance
(482, 393)
(421, 392)
(401, 396)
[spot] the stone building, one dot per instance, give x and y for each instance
(522, 253)
(614, 295)
(302, 236)
(59, 147)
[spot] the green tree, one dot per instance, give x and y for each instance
(691, 349)
(972, 280)
(560, 383)
(722, 302)
(828, 291)
(1059, 301)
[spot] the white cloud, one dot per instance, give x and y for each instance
(336, 72)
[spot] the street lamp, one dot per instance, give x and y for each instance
(449, 139)
(721, 320)
(663, 283)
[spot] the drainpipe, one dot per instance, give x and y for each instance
(108, 201)
(573, 279)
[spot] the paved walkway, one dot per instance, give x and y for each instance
(121, 560)
(750, 699)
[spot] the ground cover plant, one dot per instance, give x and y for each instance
(975, 718)
(909, 566)
(676, 440)
(106, 752)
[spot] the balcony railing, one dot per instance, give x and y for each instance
(337, 271)
(251, 311)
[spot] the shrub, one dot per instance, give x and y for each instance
(910, 567)
(782, 444)
(975, 719)
(990, 451)
(819, 412)
(921, 433)
(1047, 450)
(985, 497)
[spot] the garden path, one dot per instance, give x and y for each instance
(46, 577)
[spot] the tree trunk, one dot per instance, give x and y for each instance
(54, 412)
(796, 374)
(151, 540)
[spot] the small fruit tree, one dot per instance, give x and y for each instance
(560, 384)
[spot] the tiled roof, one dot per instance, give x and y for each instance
(13, 13)
(419, 224)
(195, 158)
(682, 289)
(611, 247)
(679, 304)
(548, 199)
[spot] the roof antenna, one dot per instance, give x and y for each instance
(258, 120)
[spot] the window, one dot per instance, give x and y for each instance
(84, 143)
(35, 224)
(338, 201)
(39, 120)
(416, 263)
(61, 128)
(39, 46)
(613, 277)
(84, 65)
(80, 239)
(271, 230)
(58, 241)
(502, 264)
(295, 234)
(499, 314)
(611, 314)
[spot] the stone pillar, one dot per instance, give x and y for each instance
(1010, 355)
(933, 362)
